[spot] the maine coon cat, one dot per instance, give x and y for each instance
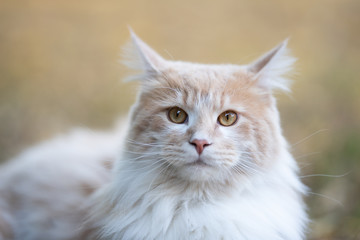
(202, 156)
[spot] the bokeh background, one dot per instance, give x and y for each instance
(59, 69)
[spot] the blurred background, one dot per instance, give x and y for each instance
(59, 69)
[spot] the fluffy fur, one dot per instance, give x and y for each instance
(244, 185)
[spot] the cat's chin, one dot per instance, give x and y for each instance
(198, 170)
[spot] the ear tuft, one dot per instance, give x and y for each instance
(138, 55)
(271, 69)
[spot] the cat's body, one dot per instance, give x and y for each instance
(43, 190)
(204, 158)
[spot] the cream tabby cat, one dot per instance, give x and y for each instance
(203, 157)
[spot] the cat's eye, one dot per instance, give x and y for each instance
(177, 115)
(228, 118)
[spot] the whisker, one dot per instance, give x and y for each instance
(305, 165)
(169, 54)
(327, 175)
(241, 172)
(144, 144)
(327, 197)
(247, 168)
(142, 153)
(165, 166)
(306, 138)
(136, 169)
(306, 155)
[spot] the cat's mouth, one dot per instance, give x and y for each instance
(199, 163)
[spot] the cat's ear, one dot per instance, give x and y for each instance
(271, 69)
(139, 56)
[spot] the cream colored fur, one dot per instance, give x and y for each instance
(244, 185)
(43, 190)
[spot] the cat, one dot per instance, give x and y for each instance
(201, 156)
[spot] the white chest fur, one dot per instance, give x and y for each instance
(262, 210)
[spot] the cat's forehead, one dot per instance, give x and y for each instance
(201, 71)
(206, 77)
(201, 85)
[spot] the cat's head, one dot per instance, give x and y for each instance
(206, 122)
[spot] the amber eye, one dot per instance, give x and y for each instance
(228, 118)
(177, 115)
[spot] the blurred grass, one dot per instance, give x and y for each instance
(58, 69)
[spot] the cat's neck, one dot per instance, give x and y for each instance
(195, 190)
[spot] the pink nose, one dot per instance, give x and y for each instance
(200, 145)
